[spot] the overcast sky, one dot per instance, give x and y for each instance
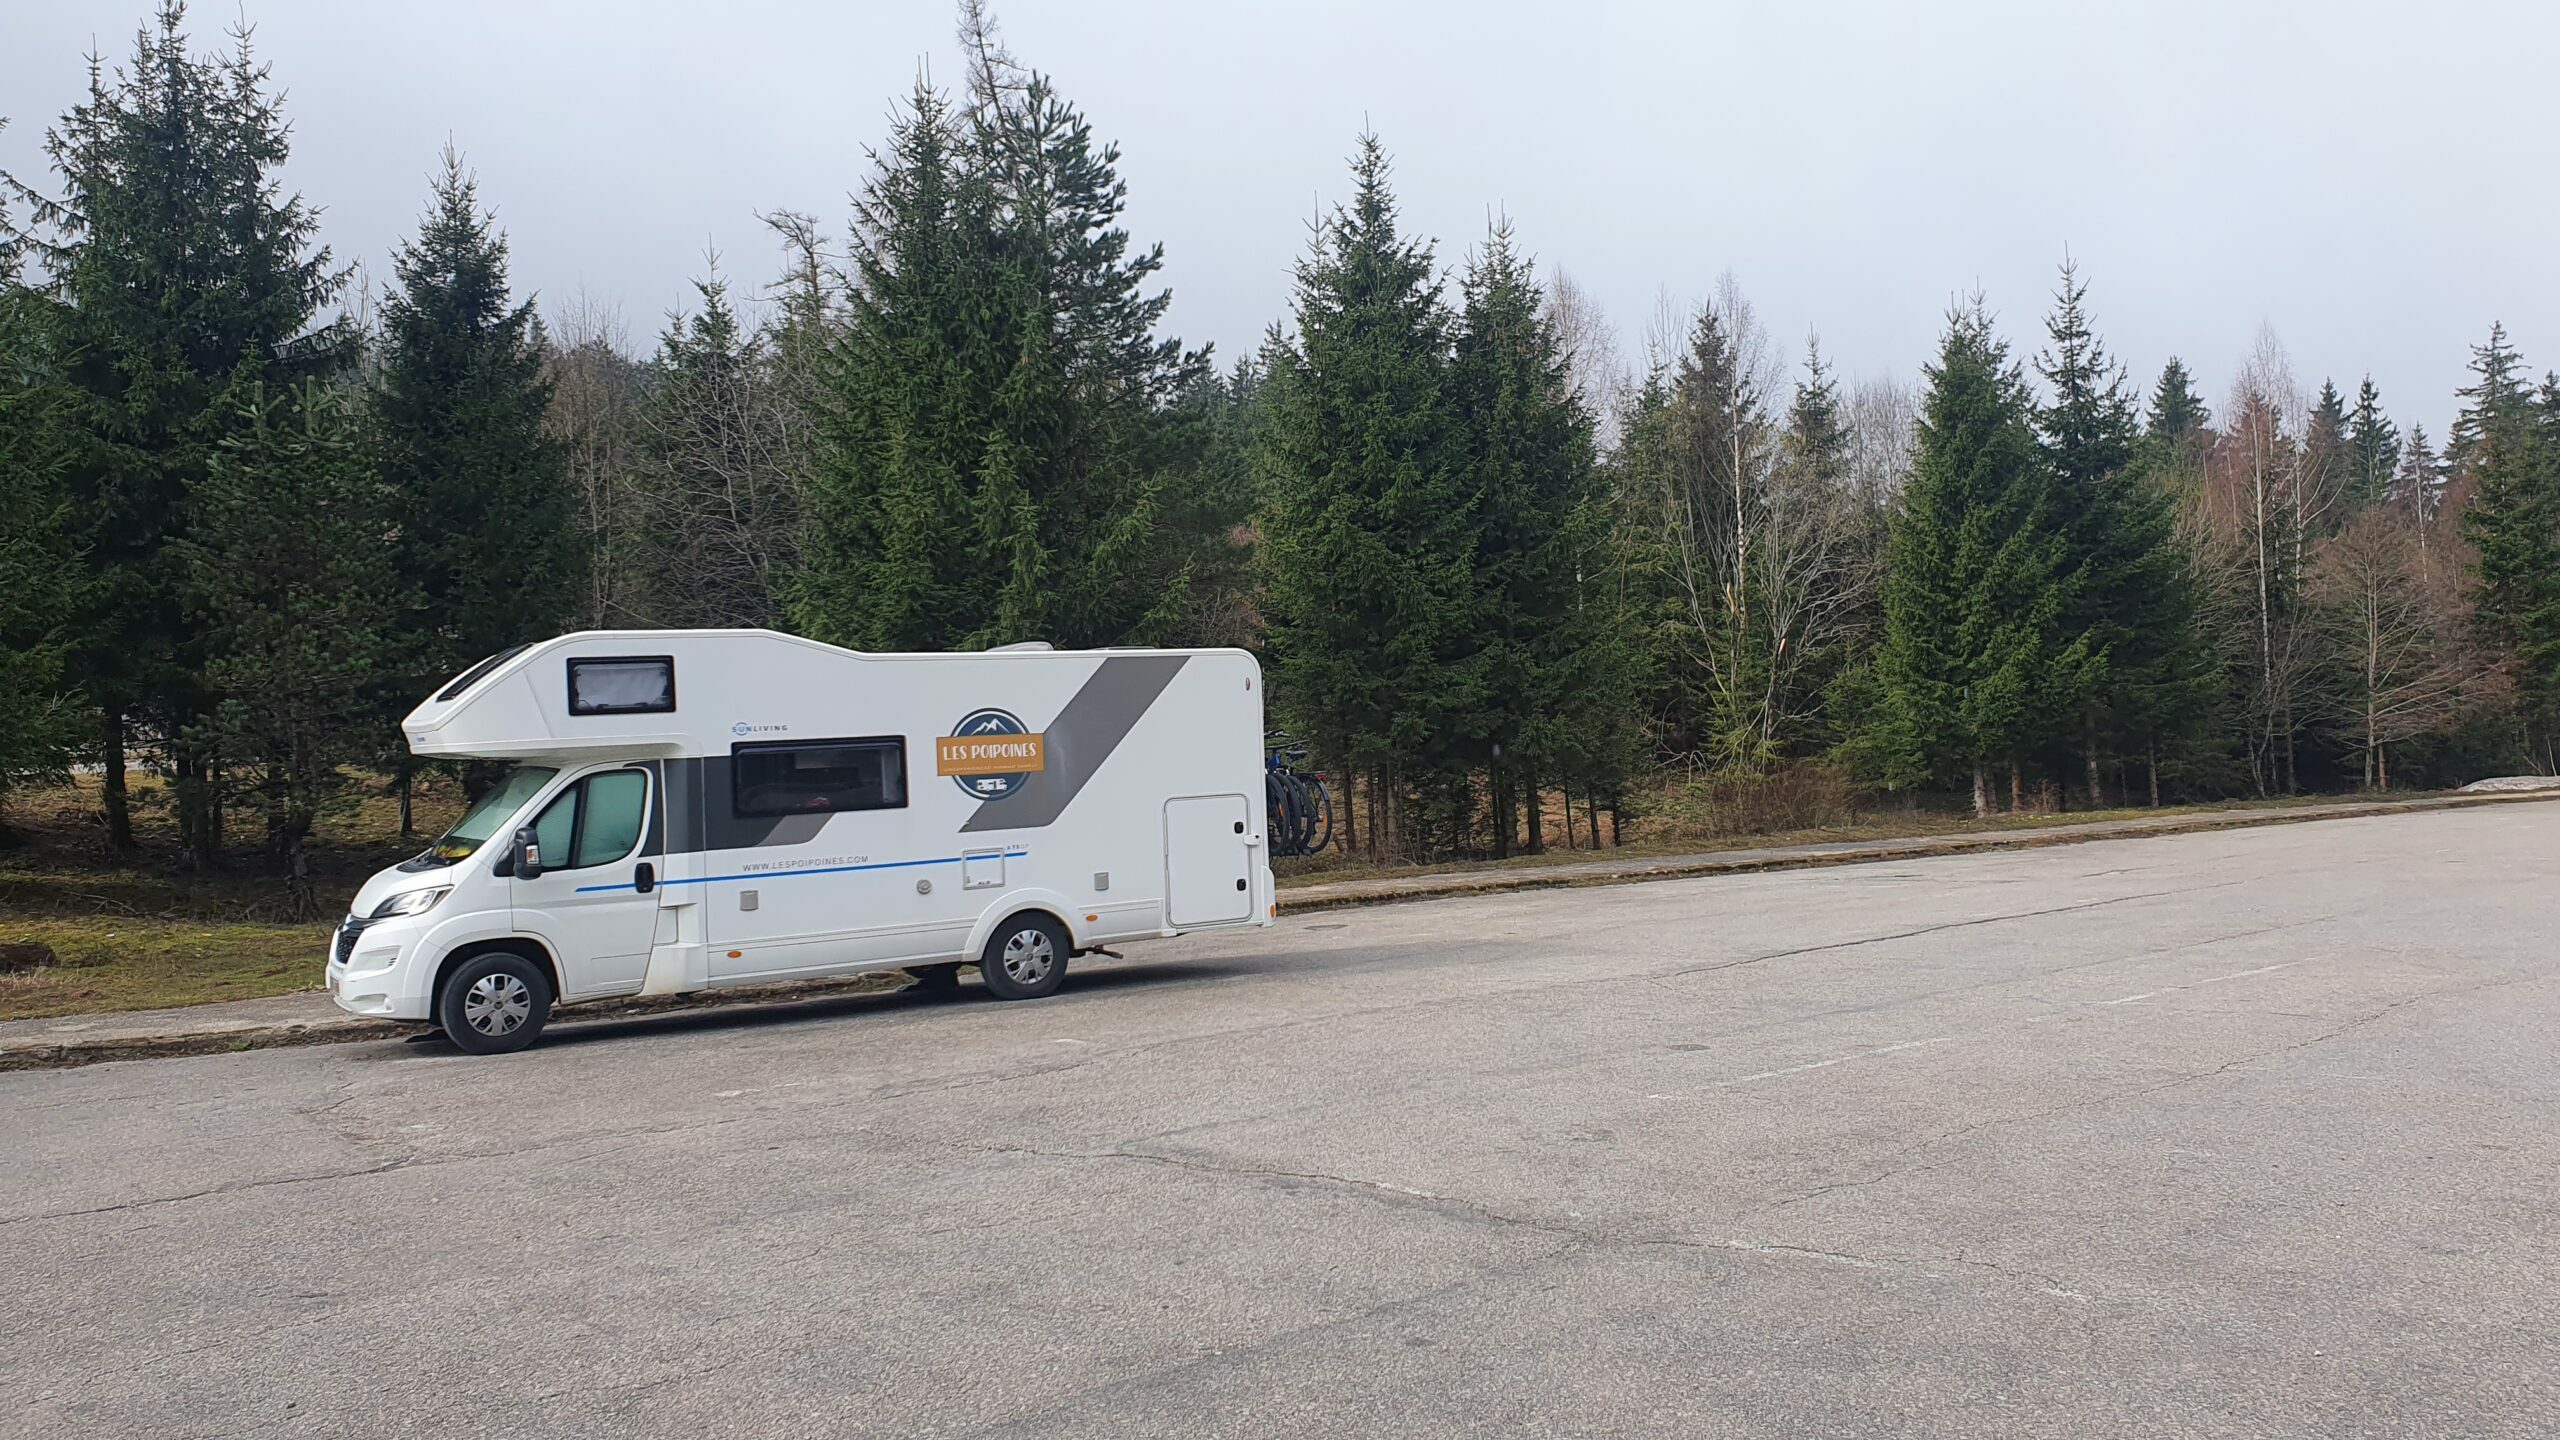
(2373, 181)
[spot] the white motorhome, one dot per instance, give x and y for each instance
(691, 809)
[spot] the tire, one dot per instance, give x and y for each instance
(1026, 958)
(936, 979)
(493, 1004)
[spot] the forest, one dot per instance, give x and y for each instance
(1493, 559)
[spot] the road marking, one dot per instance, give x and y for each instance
(2242, 974)
(1841, 1059)
(2195, 984)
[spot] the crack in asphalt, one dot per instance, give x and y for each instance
(1942, 926)
(411, 1161)
(1458, 1207)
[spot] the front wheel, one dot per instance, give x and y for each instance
(1025, 959)
(494, 1003)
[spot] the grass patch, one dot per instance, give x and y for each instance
(128, 964)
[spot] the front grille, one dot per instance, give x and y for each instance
(348, 930)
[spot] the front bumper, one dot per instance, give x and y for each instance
(365, 975)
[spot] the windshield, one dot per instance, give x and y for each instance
(489, 812)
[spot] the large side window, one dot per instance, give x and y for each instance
(594, 822)
(807, 776)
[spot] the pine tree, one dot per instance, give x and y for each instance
(489, 537)
(1553, 661)
(2373, 445)
(1976, 596)
(183, 267)
(1368, 533)
(285, 567)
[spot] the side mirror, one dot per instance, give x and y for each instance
(528, 853)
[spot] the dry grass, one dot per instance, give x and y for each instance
(1682, 817)
(149, 930)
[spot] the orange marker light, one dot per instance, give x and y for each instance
(734, 954)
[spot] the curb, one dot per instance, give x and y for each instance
(1313, 898)
(65, 1054)
(1309, 899)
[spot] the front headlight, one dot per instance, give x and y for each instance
(414, 902)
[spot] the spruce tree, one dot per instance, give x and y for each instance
(995, 445)
(1710, 455)
(2373, 447)
(1977, 596)
(285, 569)
(39, 440)
(1368, 533)
(1208, 519)
(900, 520)
(2152, 673)
(489, 536)
(1816, 441)
(2120, 527)
(1552, 661)
(183, 267)
(2506, 452)
(2178, 428)
(2417, 483)
(1830, 624)
(2327, 466)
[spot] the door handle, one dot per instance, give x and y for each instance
(644, 877)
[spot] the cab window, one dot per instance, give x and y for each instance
(609, 817)
(594, 822)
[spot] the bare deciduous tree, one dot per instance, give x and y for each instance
(1884, 416)
(1590, 343)
(595, 391)
(2398, 638)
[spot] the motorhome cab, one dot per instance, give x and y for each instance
(690, 809)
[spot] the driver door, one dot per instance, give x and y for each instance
(595, 904)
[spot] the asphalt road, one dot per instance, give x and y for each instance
(2255, 1132)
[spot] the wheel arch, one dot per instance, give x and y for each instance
(1046, 904)
(522, 946)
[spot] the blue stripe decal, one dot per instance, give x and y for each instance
(795, 874)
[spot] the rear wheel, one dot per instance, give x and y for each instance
(1025, 959)
(494, 1003)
